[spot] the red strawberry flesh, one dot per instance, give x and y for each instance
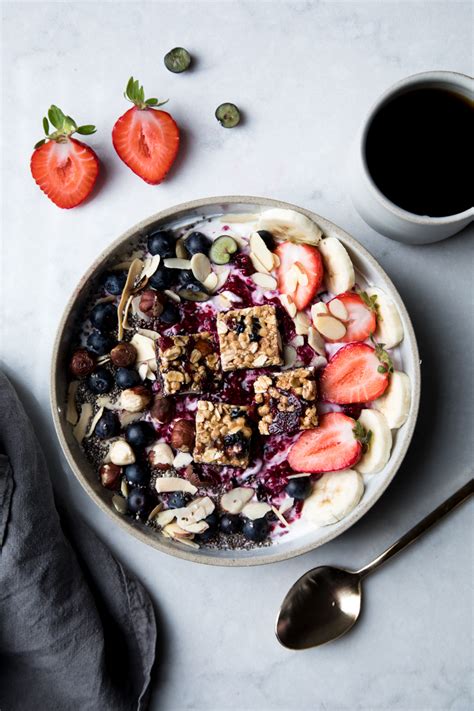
(329, 447)
(308, 259)
(147, 140)
(352, 376)
(361, 321)
(65, 171)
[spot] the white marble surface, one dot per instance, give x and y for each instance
(304, 74)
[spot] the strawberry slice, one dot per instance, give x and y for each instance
(300, 273)
(356, 373)
(64, 168)
(330, 447)
(361, 319)
(145, 138)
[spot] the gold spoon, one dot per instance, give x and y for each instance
(325, 602)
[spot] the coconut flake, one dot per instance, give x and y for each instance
(279, 515)
(94, 421)
(166, 484)
(135, 269)
(80, 429)
(255, 510)
(145, 347)
(176, 263)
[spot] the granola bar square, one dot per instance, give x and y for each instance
(286, 401)
(249, 338)
(188, 364)
(223, 434)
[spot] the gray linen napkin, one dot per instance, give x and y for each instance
(76, 630)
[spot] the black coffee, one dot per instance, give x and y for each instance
(419, 151)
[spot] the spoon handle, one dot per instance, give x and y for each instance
(442, 510)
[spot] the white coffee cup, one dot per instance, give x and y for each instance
(377, 210)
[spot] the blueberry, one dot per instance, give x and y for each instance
(140, 501)
(161, 279)
(162, 243)
(213, 521)
(114, 282)
(196, 243)
(99, 344)
(268, 239)
(100, 381)
(137, 475)
(299, 488)
(255, 530)
(170, 314)
(140, 434)
(126, 378)
(107, 426)
(185, 277)
(177, 500)
(103, 316)
(230, 523)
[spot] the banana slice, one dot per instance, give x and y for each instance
(338, 268)
(289, 225)
(396, 400)
(333, 497)
(389, 325)
(380, 444)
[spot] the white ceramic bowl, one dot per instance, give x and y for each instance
(364, 263)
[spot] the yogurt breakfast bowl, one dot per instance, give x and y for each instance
(235, 381)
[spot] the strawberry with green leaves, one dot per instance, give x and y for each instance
(64, 168)
(146, 138)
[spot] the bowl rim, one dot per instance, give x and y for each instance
(191, 554)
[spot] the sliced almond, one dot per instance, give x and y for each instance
(200, 266)
(176, 531)
(176, 263)
(261, 251)
(298, 476)
(291, 279)
(172, 295)
(144, 346)
(200, 508)
(255, 510)
(124, 488)
(154, 335)
(289, 356)
(161, 453)
(315, 340)
(288, 304)
(265, 281)
(221, 303)
(182, 460)
(330, 327)
(192, 526)
(258, 265)
(150, 266)
(222, 276)
(166, 484)
(303, 279)
(165, 517)
(276, 260)
(119, 504)
(211, 281)
(338, 309)
(302, 323)
(103, 359)
(94, 421)
(318, 309)
(286, 504)
(280, 516)
(135, 269)
(154, 512)
(234, 500)
(72, 414)
(180, 249)
(80, 429)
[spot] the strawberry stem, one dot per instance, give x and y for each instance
(65, 126)
(135, 93)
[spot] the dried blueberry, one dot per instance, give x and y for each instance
(107, 426)
(137, 475)
(100, 381)
(256, 530)
(162, 243)
(104, 316)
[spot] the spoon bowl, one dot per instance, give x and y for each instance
(322, 605)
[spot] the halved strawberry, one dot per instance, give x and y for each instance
(330, 447)
(64, 168)
(356, 373)
(145, 138)
(300, 273)
(361, 319)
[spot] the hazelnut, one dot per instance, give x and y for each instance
(182, 435)
(82, 363)
(161, 456)
(121, 453)
(162, 409)
(123, 355)
(151, 303)
(135, 399)
(110, 475)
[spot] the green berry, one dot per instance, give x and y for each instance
(177, 60)
(228, 115)
(222, 249)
